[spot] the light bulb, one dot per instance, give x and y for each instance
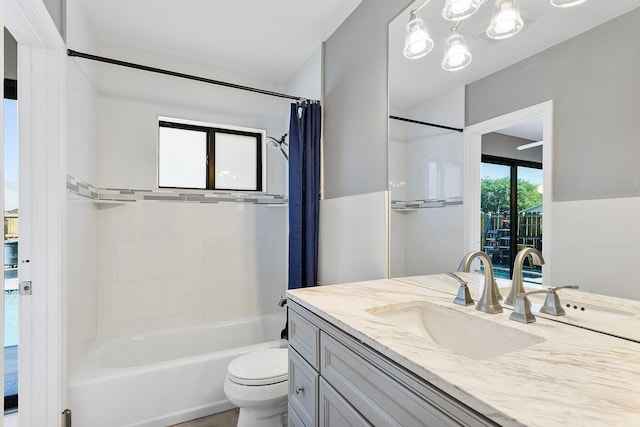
(417, 42)
(505, 21)
(566, 3)
(456, 10)
(456, 55)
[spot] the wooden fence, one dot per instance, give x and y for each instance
(529, 226)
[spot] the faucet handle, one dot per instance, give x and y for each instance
(552, 304)
(463, 297)
(565, 287)
(522, 307)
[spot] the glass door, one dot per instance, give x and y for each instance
(11, 234)
(495, 203)
(511, 213)
(530, 217)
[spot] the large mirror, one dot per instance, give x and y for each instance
(549, 120)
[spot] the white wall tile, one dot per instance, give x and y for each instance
(80, 270)
(199, 261)
(159, 259)
(126, 301)
(199, 294)
(352, 232)
(138, 326)
(596, 245)
(182, 320)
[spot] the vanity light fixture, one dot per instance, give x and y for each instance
(505, 20)
(566, 3)
(456, 54)
(456, 10)
(417, 42)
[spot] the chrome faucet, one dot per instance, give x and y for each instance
(488, 301)
(516, 283)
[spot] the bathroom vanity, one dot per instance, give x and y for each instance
(390, 353)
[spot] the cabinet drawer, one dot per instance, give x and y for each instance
(294, 419)
(374, 393)
(303, 389)
(334, 411)
(304, 337)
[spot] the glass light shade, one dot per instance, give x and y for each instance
(456, 54)
(417, 42)
(566, 3)
(505, 21)
(457, 10)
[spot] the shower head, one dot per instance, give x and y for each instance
(278, 143)
(273, 142)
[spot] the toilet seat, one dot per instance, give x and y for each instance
(262, 367)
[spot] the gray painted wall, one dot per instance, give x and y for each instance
(56, 9)
(10, 56)
(355, 101)
(498, 144)
(595, 86)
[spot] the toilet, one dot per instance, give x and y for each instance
(257, 383)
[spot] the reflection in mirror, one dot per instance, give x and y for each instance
(425, 183)
(511, 188)
(552, 58)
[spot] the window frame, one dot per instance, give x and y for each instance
(211, 130)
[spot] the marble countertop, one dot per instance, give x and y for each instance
(572, 377)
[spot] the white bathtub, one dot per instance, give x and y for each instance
(164, 377)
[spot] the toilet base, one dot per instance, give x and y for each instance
(264, 417)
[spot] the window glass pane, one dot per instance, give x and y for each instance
(182, 158)
(530, 218)
(235, 161)
(495, 219)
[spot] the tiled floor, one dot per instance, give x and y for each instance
(223, 419)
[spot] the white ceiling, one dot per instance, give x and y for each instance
(531, 130)
(411, 82)
(265, 39)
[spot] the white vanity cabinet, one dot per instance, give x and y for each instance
(335, 380)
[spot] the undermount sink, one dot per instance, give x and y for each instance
(464, 334)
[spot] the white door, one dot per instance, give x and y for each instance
(41, 140)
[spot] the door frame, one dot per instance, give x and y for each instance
(472, 174)
(42, 151)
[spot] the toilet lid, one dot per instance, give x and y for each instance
(260, 367)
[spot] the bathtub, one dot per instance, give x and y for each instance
(164, 377)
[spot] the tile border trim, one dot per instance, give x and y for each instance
(88, 191)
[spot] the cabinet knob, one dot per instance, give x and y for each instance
(299, 390)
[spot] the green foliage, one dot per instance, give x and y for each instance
(494, 196)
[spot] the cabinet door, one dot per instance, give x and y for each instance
(335, 411)
(303, 389)
(304, 337)
(373, 392)
(294, 419)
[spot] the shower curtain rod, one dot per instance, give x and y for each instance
(402, 119)
(97, 58)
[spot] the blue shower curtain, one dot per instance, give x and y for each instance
(304, 193)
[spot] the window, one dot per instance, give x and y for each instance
(196, 156)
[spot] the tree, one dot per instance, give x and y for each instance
(494, 196)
